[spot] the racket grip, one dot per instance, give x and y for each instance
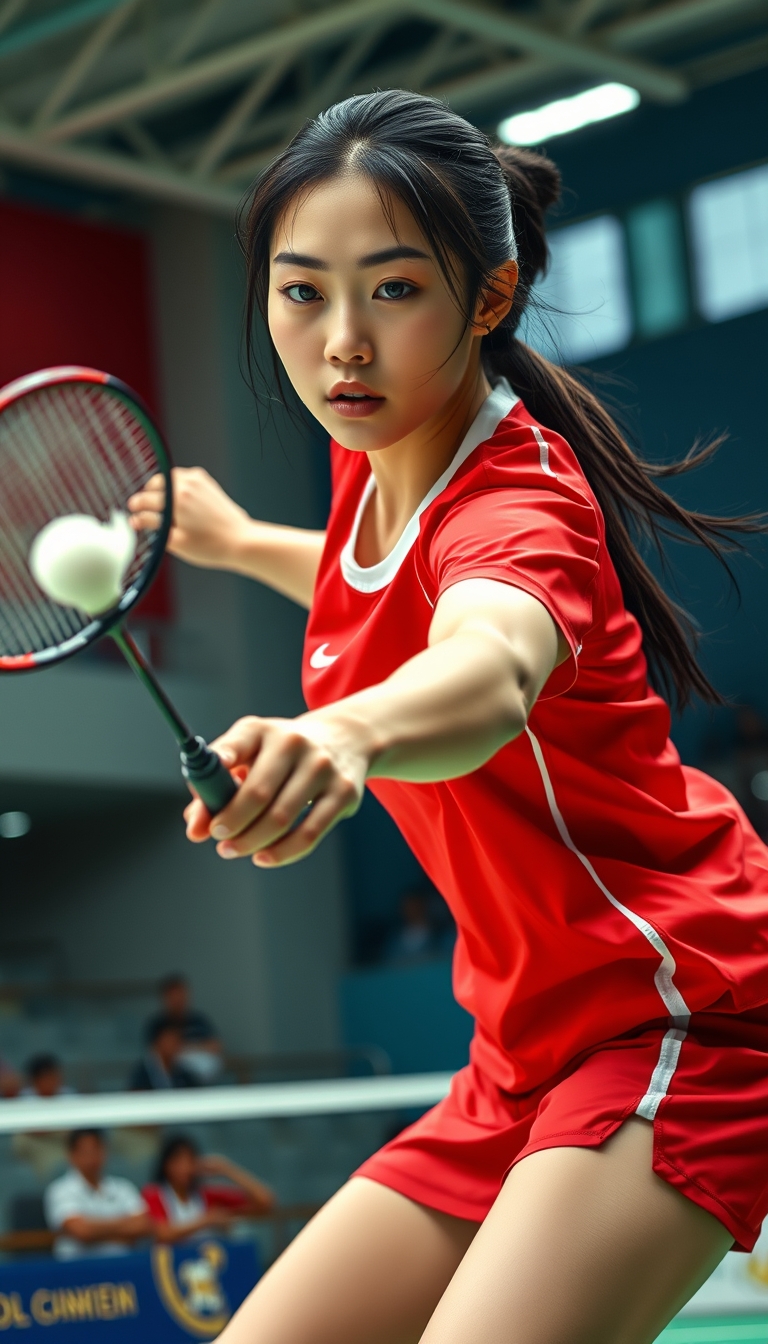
(210, 779)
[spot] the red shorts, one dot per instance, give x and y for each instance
(710, 1129)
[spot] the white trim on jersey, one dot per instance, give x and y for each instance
(544, 452)
(668, 992)
(375, 577)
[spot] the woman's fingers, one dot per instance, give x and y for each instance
(146, 521)
(198, 821)
(241, 743)
(254, 797)
(321, 818)
(304, 784)
(299, 784)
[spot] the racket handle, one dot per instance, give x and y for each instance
(210, 779)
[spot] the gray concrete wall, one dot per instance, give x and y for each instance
(264, 949)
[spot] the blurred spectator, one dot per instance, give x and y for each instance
(161, 1065)
(182, 1204)
(10, 1082)
(426, 929)
(201, 1050)
(44, 1150)
(94, 1214)
(45, 1078)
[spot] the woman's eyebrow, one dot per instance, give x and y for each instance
(393, 254)
(371, 259)
(301, 259)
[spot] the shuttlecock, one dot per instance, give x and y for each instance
(80, 562)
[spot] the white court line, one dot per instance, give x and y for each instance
(328, 1097)
(715, 1334)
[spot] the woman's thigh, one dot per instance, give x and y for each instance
(583, 1246)
(369, 1269)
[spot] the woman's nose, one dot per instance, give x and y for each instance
(347, 344)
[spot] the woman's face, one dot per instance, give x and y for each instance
(181, 1169)
(361, 316)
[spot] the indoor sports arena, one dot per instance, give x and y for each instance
(305, 273)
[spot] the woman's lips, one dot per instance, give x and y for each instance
(355, 408)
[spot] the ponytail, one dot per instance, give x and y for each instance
(635, 509)
(459, 190)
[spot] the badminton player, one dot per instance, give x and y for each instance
(481, 629)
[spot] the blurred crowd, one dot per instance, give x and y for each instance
(92, 1212)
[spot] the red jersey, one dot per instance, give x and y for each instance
(165, 1206)
(597, 884)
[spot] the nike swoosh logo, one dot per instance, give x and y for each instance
(321, 659)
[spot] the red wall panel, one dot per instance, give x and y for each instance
(75, 292)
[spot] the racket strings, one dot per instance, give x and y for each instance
(71, 448)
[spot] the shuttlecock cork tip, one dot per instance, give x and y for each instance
(80, 562)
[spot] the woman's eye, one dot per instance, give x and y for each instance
(394, 289)
(301, 293)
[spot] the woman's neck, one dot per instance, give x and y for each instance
(180, 1192)
(406, 471)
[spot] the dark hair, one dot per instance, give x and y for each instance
(75, 1135)
(158, 1027)
(41, 1064)
(176, 980)
(173, 1144)
(458, 188)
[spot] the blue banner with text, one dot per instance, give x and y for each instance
(158, 1296)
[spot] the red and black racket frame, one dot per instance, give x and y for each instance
(200, 766)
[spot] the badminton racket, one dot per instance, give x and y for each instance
(75, 444)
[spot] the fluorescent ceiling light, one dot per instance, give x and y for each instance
(14, 824)
(568, 114)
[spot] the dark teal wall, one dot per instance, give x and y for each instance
(703, 379)
(708, 378)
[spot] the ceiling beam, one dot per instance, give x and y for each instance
(674, 19)
(54, 24)
(10, 11)
(84, 61)
(115, 171)
(239, 59)
(513, 31)
(194, 30)
(221, 139)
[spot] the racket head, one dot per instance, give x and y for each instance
(72, 440)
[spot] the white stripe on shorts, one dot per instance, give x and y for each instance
(668, 992)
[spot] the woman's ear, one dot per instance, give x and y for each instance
(495, 301)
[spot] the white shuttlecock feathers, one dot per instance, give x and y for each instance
(80, 562)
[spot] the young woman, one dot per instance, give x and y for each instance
(183, 1204)
(479, 633)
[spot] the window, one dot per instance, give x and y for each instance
(729, 234)
(584, 307)
(657, 256)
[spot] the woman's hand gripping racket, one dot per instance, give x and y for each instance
(75, 445)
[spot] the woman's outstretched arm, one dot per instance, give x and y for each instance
(442, 714)
(211, 530)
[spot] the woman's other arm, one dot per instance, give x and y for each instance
(209, 529)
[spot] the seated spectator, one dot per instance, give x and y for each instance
(45, 1078)
(94, 1214)
(426, 929)
(161, 1066)
(183, 1205)
(10, 1082)
(44, 1150)
(201, 1051)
